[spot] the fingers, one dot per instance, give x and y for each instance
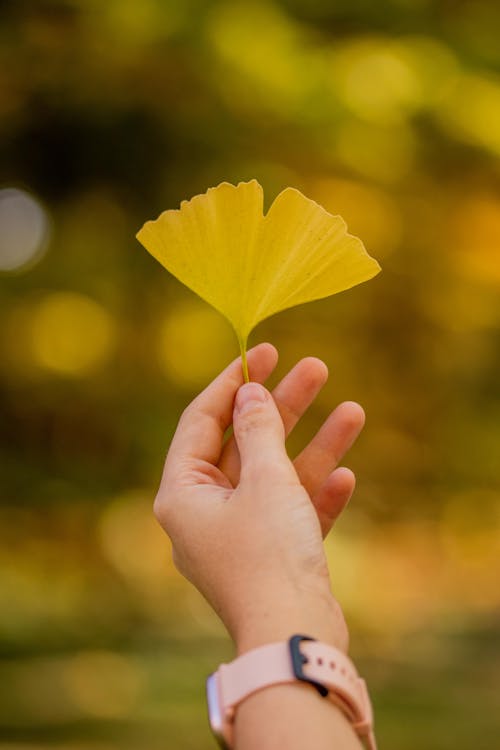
(298, 389)
(333, 496)
(328, 446)
(201, 428)
(260, 437)
(293, 395)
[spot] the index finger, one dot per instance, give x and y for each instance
(203, 423)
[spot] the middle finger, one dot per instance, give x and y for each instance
(328, 446)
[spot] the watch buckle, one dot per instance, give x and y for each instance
(298, 660)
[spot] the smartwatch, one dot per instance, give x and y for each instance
(300, 658)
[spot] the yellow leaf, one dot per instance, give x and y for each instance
(250, 266)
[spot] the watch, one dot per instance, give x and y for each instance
(301, 658)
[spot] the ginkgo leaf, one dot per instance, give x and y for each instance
(249, 265)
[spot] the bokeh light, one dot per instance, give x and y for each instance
(472, 110)
(104, 683)
(194, 340)
(474, 230)
(382, 153)
(369, 212)
(276, 68)
(133, 542)
(376, 82)
(71, 334)
(24, 230)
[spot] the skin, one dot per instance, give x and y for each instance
(247, 525)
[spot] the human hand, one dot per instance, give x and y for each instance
(245, 522)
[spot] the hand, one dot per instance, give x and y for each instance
(245, 522)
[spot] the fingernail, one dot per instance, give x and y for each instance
(249, 394)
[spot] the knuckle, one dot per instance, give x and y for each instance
(256, 417)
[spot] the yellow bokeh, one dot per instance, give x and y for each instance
(376, 82)
(472, 545)
(103, 684)
(433, 64)
(71, 334)
(381, 577)
(467, 308)
(474, 229)
(277, 67)
(194, 341)
(381, 153)
(133, 542)
(385, 80)
(471, 112)
(369, 212)
(397, 578)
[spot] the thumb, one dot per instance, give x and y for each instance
(260, 435)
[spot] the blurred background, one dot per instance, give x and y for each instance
(110, 112)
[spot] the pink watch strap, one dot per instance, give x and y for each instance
(331, 671)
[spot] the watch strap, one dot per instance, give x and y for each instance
(329, 670)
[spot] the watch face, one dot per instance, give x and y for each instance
(215, 716)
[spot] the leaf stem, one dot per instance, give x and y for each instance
(243, 351)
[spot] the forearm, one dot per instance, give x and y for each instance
(294, 717)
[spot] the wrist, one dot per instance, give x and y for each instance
(320, 617)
